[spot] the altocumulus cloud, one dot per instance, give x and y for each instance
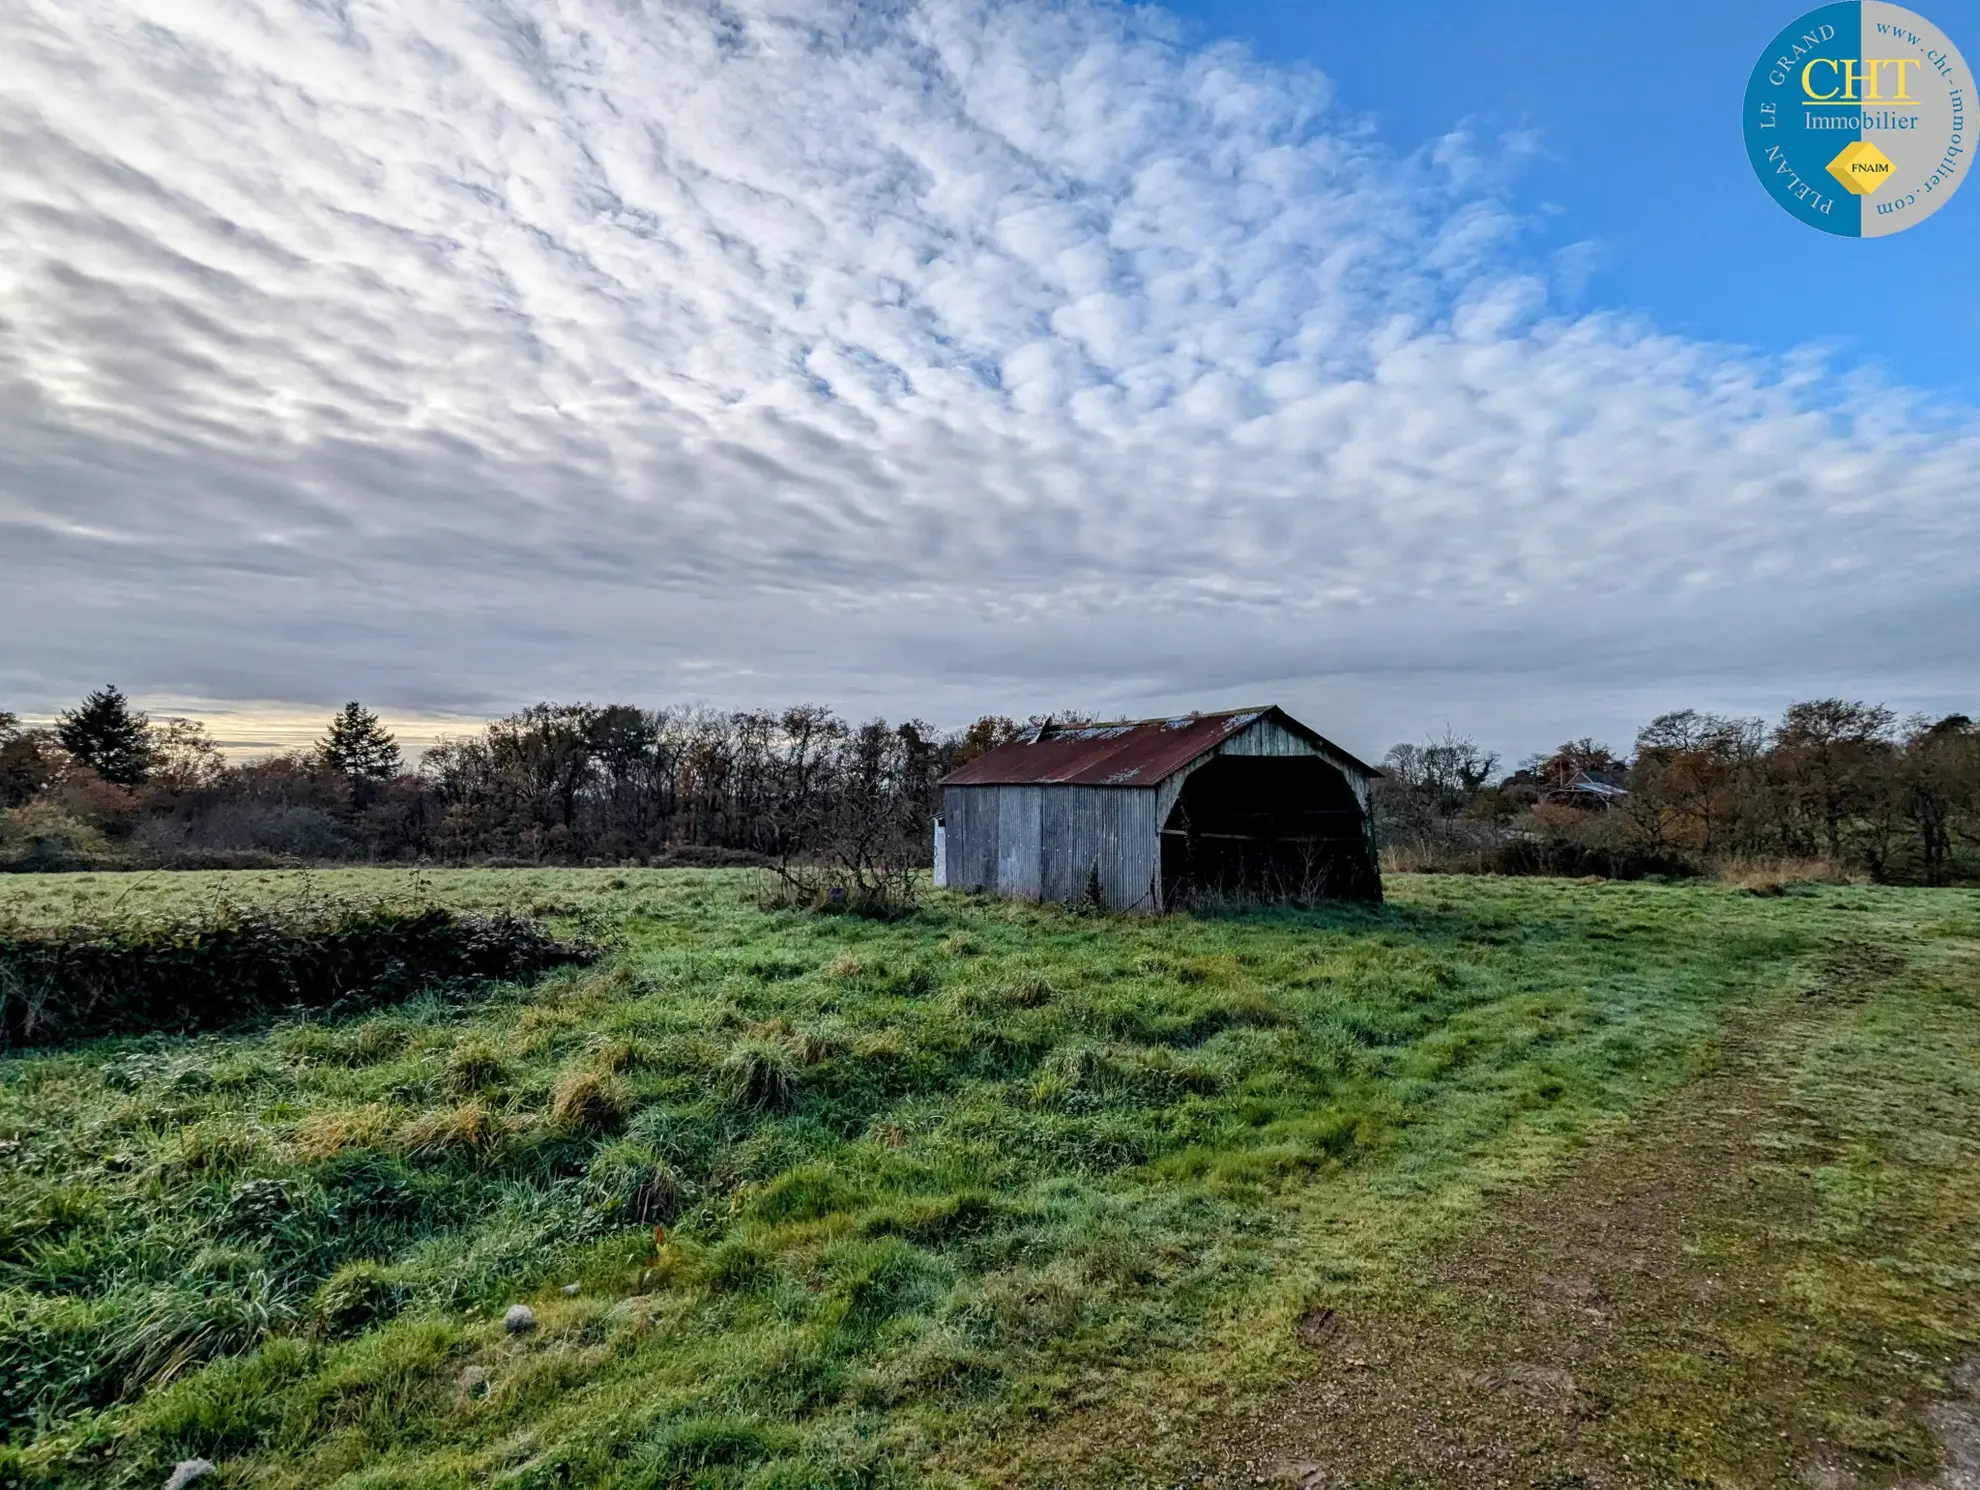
(454, 352)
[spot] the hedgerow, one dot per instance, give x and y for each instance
(231, 964)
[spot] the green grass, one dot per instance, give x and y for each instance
(938, 1193)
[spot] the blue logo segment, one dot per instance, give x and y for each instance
(1790, 143)
(1856, 118)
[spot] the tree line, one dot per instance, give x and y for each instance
(1845, 787)
(553, 783)
(1842, 787)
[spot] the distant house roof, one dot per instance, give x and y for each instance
(1583, 782)
(1134, 752)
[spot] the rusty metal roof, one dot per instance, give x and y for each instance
(1134, 752)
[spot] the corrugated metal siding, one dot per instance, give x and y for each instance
(1266, 737)
(981, 855)
(971, 838)
(1020, 840)
(1129, 848)
(1066, 843)
(1042, 843)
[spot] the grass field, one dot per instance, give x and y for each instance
(1526, 1182)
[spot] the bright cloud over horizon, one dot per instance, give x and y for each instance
(918, 358)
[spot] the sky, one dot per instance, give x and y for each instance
(1413, 366)
(1633, 144)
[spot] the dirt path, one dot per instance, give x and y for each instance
(1497, 1374)
(1655, 1317)
(1955, 1424)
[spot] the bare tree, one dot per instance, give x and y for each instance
(1692, 776)
(1939, 788)
(1435, 781)
(1828, 756)
(184, 758)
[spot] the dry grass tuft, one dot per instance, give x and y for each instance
(473, 1067)
(547, 1017)
(588, 1101)
(1771, 876)
(322, 1134)
(470, 1128)
(810, 1044)
(377, 1040)
(761, 1075)
(616, 1056)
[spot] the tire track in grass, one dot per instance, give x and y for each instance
(1767, 1280)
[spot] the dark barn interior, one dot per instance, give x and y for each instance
(1267, 828)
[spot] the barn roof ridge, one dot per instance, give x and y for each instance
(1125, 752)
(1054, 727)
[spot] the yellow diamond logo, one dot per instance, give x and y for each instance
(1861, 167)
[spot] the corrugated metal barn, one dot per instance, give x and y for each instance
(1154, 814)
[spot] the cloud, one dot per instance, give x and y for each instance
(452, 353)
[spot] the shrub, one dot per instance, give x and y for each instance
(1573, 859)
(1559, 841)
(41, 837)
(235, 964)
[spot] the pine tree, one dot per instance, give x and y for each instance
(105, 735)
(359, 746)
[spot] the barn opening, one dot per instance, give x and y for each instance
(1266, 828)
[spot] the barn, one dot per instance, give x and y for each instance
(1153, 814)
